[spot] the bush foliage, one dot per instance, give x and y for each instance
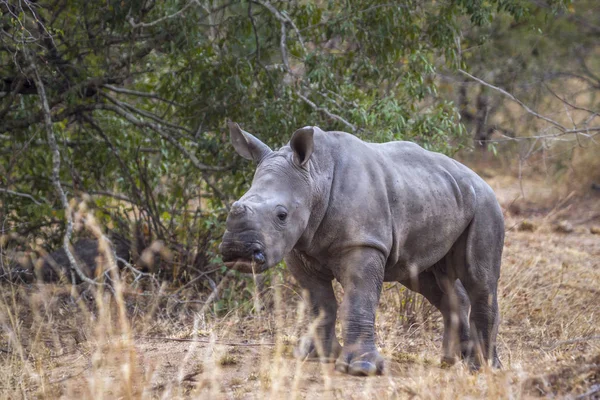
(139, 93)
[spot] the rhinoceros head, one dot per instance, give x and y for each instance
(267, 221)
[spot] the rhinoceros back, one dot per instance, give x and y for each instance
(410, 203)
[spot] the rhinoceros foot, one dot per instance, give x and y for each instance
(360, 360)
(475, 361)
(327, 352)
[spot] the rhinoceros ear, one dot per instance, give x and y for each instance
(246, 144)
(302, 144)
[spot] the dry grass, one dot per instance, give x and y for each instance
(104, 346)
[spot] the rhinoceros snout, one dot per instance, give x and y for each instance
(234, 249)
(245, 245)
(243, 256)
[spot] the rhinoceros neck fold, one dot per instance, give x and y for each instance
(322, 172)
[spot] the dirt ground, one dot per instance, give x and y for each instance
(549, 338)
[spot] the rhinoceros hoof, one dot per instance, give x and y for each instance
(306, 350)
(447, 361)
(365, 362)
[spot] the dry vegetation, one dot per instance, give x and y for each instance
(93, 344)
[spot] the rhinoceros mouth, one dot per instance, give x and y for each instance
(246, 266)
(243, 256)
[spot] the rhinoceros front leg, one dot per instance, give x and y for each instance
(320, 342)
(361, 275)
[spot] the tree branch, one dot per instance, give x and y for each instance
(564, 130)
(117, 109)
(567, 103)
(110, 194)
(141, 94)
(326, 112)
(144, 113)
(177, 14)
(134, 188)
(56, 174)
(513, 98)
(571, 341)
(166, 17)
(284, 19)
(26, 195)
(11, 97)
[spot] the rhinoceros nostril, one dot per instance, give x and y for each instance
(237, 209)
(259, 257)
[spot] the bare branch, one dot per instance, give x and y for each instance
(134, 187)
(166, 17)
(145, 113)
(255, 30)
(569, 104)
(563, 129)
(284, 19)
(13, 193)
(158, 129)
(178, 14)
(56, 172)
(327, 112)
(150, 95)
(585, 79)
(571, 341)
(208, 341)
(513, 98)
(110, 194)
(283, 49)
(283, 40)
(11, 97)
(204, 169)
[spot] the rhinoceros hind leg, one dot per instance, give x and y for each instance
(483, 243)
(453, 303)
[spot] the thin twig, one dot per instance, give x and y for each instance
(208, 341)
(513, 98)
(150, 95)
(327, 112)
(144, 113)
(284, 19)
(166, 17)
(564, 130)
(568, 103)
(571, 341)
(66, 378)
(158, 129)
(204, 169)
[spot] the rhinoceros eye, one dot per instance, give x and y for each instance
(282, 215)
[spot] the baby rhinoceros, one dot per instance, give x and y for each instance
(336, 207)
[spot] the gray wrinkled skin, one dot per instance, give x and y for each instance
(337, 207)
